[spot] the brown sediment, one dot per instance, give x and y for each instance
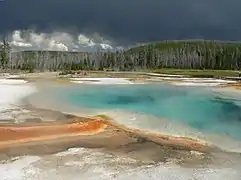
(16, 135)
(233, 85)
(95, 127)
(96, 132)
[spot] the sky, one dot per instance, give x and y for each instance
(80, 25)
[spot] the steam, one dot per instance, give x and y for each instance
(56, 41)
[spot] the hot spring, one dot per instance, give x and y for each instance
(205, 112)
(199, 108)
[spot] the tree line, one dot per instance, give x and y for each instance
(5, 52)
(168, 54)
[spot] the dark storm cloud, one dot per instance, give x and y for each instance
(132, 20)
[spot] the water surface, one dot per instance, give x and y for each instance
(153, 105)
(200, 108)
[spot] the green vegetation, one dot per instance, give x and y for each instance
(197, 72)
(196, 58)
(191, 55)
(4, 51)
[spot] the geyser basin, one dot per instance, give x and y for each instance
(199, 108)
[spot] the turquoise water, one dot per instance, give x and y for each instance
(199, 108)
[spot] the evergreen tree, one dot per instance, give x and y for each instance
(5, 53)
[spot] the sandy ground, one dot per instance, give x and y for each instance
(117, 78)
(235, 85)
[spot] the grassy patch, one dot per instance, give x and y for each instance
(197, 73)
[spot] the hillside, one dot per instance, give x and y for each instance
(191, 54)
(195, 55)
(166, 45)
